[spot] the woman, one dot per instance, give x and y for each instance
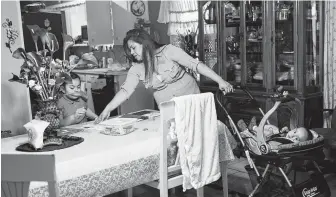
(161, 68)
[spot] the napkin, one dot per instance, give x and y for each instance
(35, 129)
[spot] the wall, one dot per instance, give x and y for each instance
(141, 98)
(15, 103)
(124, 19)
(100, 24)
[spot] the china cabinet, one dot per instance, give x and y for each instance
(263, 45)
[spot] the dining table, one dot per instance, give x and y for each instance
(104, 164)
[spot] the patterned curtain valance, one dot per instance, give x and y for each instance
(181, 16)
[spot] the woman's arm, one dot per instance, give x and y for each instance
(90, 114)
(180, 56)
(126, 90)
(117, 100)
(208, 72)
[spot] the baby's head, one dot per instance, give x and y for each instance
(299, 135)
(72, 88)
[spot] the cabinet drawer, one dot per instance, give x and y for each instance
(88, 78)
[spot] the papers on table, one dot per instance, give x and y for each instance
(116, 123)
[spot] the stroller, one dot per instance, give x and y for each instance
(282, 160)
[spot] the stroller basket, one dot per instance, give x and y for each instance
(278, 155)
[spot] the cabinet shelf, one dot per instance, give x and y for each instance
(248, 23)
(264, 64)
(290, 21)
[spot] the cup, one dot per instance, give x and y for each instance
(35, 129)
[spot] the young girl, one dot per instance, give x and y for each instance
(74, 107)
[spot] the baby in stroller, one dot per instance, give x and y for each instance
(274, 135)
(279, 153)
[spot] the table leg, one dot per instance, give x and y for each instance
(53, 189)
(200, 192)
(130, 192)
(223, 166)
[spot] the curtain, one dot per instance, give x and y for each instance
(182, 17)
(329, 67)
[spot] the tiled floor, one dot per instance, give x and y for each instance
(238, 182)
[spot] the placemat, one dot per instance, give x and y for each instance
(68, 141)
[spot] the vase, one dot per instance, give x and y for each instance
(48, 111)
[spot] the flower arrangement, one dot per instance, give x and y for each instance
(41, 73)
(45, 75)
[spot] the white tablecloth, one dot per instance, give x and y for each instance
(105, 164)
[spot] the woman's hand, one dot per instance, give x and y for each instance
(103, 116)
(225, 87)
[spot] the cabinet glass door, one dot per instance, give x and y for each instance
(233, 42)
(254, 42)
(313, 33)
(284, 43)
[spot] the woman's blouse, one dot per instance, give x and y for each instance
(168, 70)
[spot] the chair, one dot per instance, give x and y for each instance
(167, 111)
(18, 170)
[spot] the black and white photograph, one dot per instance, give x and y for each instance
(168, 98)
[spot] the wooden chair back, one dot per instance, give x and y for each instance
(167, 112)
(18, 170)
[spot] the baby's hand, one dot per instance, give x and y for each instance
(284, 130)
(80, 113)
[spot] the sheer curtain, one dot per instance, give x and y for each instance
(329, 67)
(182, 16)
(182, 19)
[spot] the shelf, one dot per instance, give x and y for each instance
(233, 53)
(254, 23)
(284, 21)
(254, 40)
(81, 45)
(233, 24)
(248, 23)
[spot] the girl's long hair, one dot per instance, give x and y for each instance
(148, 49)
